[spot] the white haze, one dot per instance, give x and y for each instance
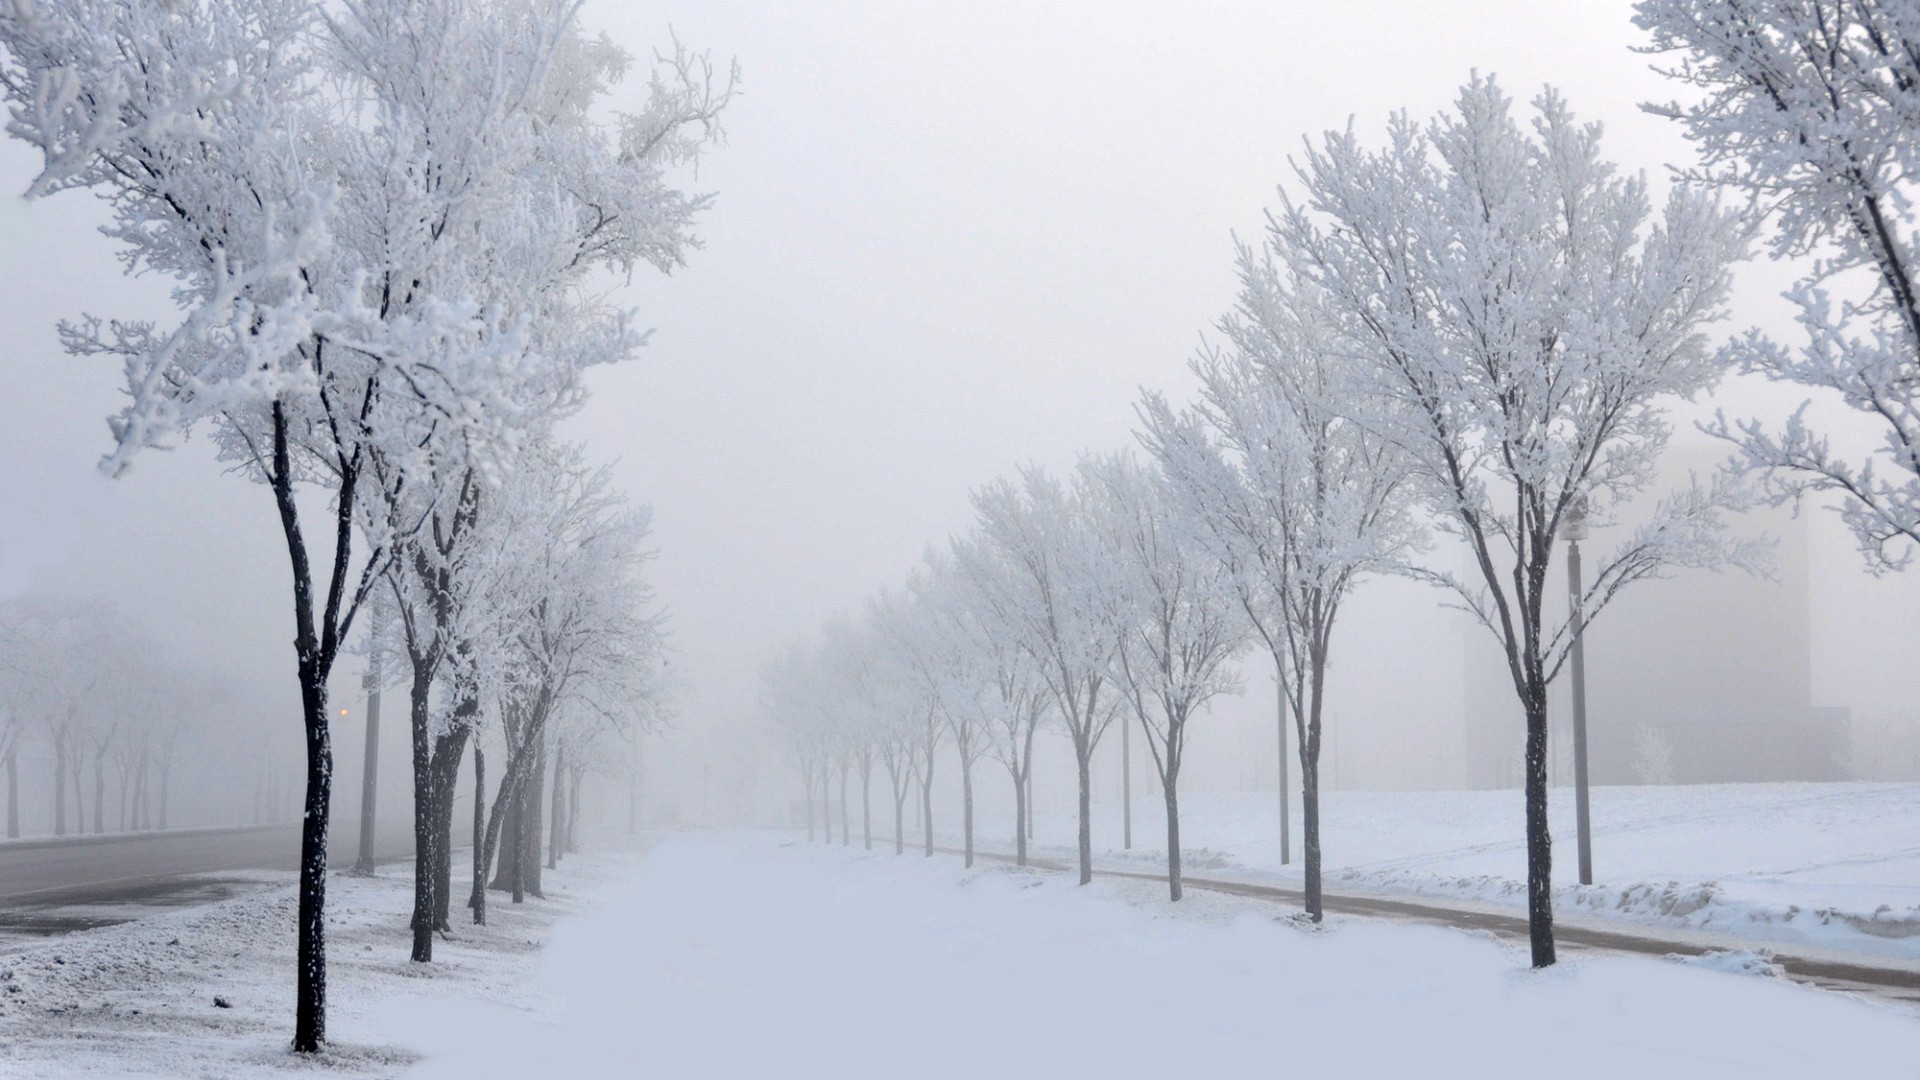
(949, 239)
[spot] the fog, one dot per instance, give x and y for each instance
(948, 240)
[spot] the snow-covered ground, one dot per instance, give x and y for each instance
(138, 999)
(1831, 865)
(743, 958)
(753, 955)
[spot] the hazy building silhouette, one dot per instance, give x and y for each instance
(1700, 677)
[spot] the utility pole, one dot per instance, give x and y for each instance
(1575, 530)
(369, 782)
(1126, 788)
(1280, 706)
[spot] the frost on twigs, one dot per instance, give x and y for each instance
(1812, 112)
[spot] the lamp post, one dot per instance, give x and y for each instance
(369, 781)
(1575, 530)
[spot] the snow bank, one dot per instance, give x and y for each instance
(1835, 866)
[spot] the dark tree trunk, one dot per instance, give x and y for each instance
(1310, 777)
(315, 647)
(866, 804)
(1082, 753)
(556, 837)
(508, 819)
(846, 834)
(1539, 840)
(1020, 811)
(1310, 821)
(310, 1002)
(447, 751)
(533, 818)
(508, 870)
(425, 836)
(966, 803)
(478, 898)
(1172, 786)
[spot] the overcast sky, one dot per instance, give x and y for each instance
(949, 238)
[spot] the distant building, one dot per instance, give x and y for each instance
(1698, 678)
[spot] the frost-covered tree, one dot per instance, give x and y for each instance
(1522, 313)
(1050, 578)
(493, 179)
(365, 208)
(579, 633)
(906, 627)
(959, 670)
(1296, 499)
(1016, 701)
(784, 700)
(846, 665)
(1171, 606)
(1812, 108)
(51, 676)
(1652, 755)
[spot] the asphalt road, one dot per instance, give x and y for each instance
(128, 867)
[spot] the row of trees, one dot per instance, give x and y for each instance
(1475, 329)
(91, 692)
(388, 224)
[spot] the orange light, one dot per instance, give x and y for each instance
(343, 712)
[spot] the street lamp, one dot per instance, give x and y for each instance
(370, 765)
(1574, 529)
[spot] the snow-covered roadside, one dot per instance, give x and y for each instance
(140, 999)
(1834, 867)
(746, 957)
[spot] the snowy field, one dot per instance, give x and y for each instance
(741, 958)
(752, 955)
(138, 999)
(1835, 866)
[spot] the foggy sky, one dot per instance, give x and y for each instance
(949, 239)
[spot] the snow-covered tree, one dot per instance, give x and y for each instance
(1050, 579)
(1812, 108)
(371, 212)
(579, 633)
(1522, 313)
(51, 678)
(906, 627)
(1652, 755)
(1017, 699)
(788, 697)
(1295, 499)
(1171, 605)
(959, 669)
